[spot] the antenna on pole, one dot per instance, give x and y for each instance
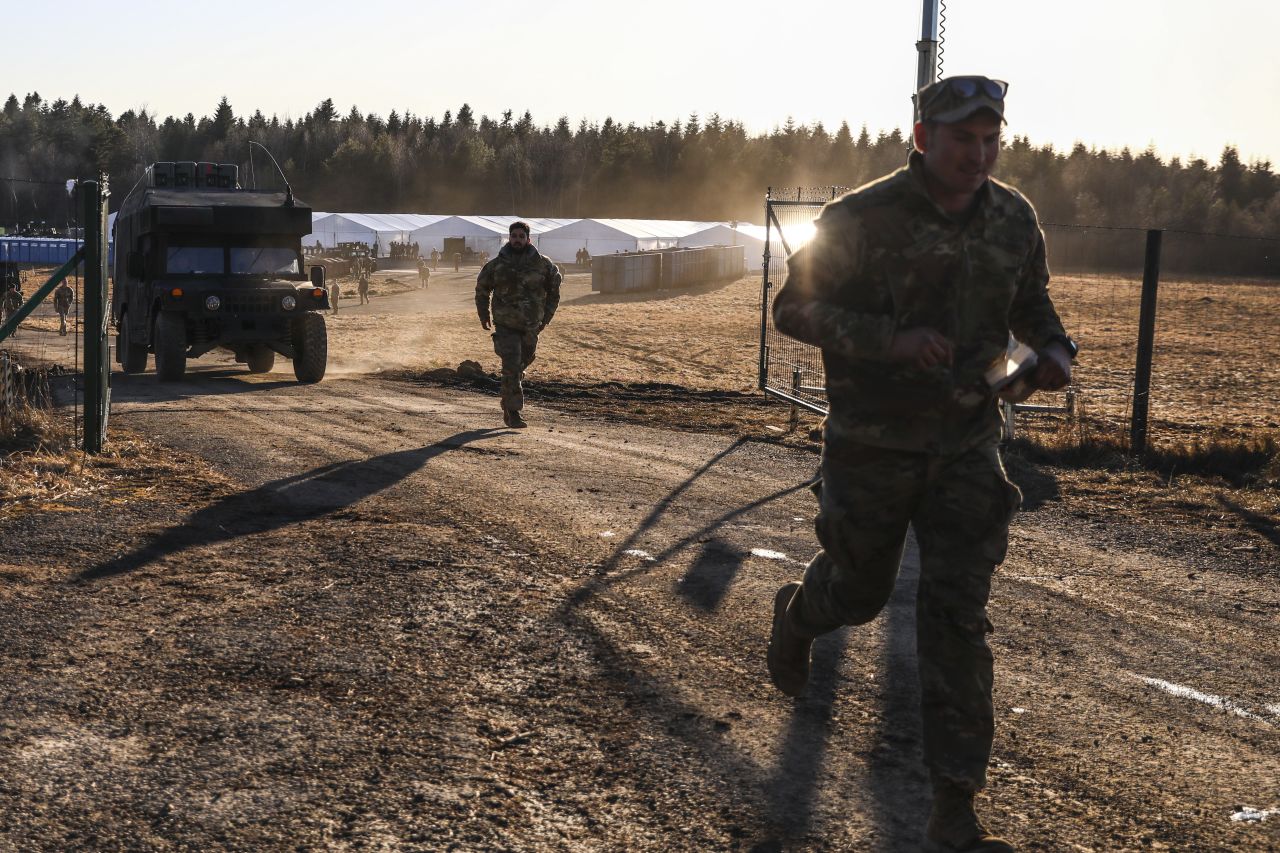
(926, 53)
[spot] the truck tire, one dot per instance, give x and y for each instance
(260, 358)
(310, 347)
(132, 357)
(171, 346)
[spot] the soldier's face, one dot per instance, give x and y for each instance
(519, 239)
(961, 156)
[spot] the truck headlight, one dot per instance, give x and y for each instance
(213, 303)
(289, 303)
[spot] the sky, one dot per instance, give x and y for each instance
(1183, 75)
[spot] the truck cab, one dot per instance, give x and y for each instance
(201, 264)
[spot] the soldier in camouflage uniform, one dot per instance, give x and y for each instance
(362, 283)
(911, 287)
(525, 289)
(12, 302)
(63, 298)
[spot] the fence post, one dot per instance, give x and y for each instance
(764, 295)
(1146, 344)
(97, 366)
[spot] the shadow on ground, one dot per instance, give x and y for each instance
(283, 502)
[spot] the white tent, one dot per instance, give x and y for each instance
(608, 236)
(750, 237)
(380, 229)
(479, 233)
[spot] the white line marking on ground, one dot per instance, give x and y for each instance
(1185, 692)
(767, 554)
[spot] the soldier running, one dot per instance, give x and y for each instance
(63, 298)
(525, 290)
(911, 288)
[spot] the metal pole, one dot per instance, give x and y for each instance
(96, 365)
(1146, 344)
(926, 53)
(764, 294)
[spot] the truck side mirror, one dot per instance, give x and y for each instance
(136, 268)
(317, 276)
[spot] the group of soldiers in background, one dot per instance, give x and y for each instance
(402, 251)
(582, 258)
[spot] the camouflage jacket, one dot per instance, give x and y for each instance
(525, 289)
(885, 257)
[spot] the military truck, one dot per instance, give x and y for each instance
(201, 263)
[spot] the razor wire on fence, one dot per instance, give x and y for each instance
(1215, 305)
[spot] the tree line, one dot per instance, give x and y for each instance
(702, 168)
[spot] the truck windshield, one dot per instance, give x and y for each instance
(210, 260)
(194, 260)
(270, 260)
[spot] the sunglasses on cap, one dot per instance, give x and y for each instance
(968, 87)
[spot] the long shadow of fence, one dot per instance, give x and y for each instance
(283, 502)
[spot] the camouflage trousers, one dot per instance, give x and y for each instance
(960, 507)
(516, 348)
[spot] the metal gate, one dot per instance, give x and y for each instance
(789, 370)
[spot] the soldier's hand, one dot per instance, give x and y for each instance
(1053, 373)
(922, 346)
(484, 324)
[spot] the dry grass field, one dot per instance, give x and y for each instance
(1216, 365)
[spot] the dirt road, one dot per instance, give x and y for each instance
(374, 619)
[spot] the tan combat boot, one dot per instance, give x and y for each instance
(954, 826)
(788, 657)
(511, 417)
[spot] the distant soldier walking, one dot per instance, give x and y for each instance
(911, 287)
(12, 302)
(63, 298)
(335, 292)
(424, 274)
(362, 283)
(524, 288)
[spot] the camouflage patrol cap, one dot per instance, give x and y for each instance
(956, 98)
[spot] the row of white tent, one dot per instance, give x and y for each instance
(559, 239)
